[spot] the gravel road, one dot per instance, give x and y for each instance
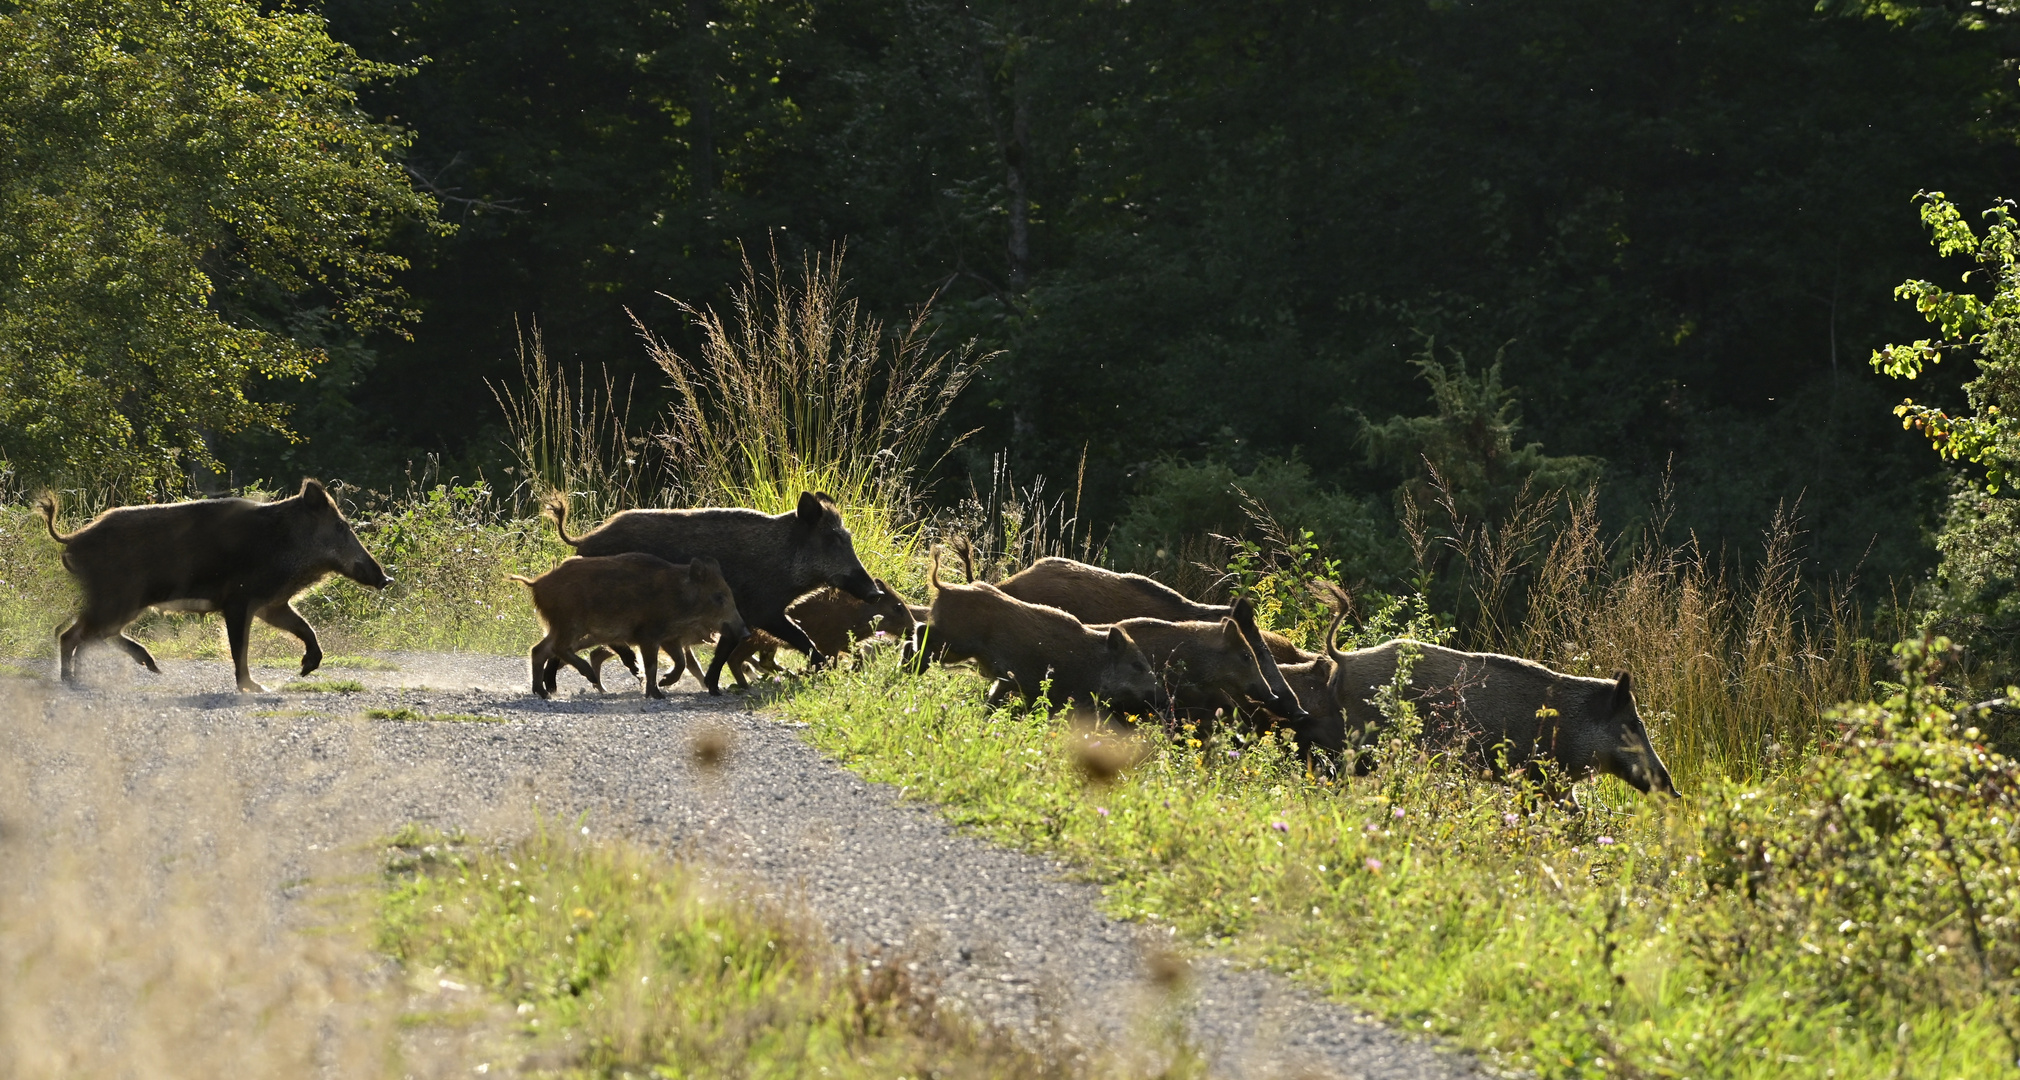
(1007, 935)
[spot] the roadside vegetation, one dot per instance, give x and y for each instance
(618, 962)
(1835, 895)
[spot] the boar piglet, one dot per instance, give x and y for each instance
(769, 560)
(1094, 595)
(632, 599)
(1028, 646)
(242, 558)
(1206, 665)
(1321, 733)
(1510, 712)
(834, 621)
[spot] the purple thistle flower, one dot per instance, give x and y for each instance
(1374, 865)
(1280, 826)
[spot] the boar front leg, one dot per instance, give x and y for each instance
(237, 625)
(281, 615)
(650, 651)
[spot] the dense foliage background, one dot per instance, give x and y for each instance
(1210, 240)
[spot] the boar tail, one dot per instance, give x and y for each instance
(47, 504)
(967, 552)
(933, 575)
(1333, 652)
(556, 506)
(526, 581)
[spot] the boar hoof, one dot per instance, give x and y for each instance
(251, 687)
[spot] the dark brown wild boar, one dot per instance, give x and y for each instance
(242, 558)
(1204, 665)
(632, 599)
(769, 561)
(1098, 596)
(1028, 646)
(1509, 711)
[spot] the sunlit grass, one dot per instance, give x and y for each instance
(620, 962)
(1566, 945)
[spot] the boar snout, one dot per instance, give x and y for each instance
(860, 585)
(1288, 707)
(371, 575)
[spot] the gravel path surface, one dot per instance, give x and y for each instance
(1010, 936)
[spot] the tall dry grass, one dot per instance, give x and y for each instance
(1733, 667)
(796, 389)
(576, 437)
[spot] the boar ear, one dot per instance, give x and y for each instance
(313, 490)
(809, 509)
(1231, 631)
(1243, 608)
(701, 566)
(1118, 642)
(1623, 693)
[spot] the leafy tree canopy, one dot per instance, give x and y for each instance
(182, 179)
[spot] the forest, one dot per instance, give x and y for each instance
(1196, 242)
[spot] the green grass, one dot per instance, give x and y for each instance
(322, 686)
(359, 663)
(620, 963)
(1561, 945)
(406, 715)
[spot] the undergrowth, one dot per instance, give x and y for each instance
(1719, 935)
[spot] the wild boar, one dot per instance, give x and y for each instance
(242, 558)
(633, 599)
(1022, 646)
(834, 621)
(1205, 665)
(769, 561)
(1510, 712)
(1099, 596)
(1321, 733)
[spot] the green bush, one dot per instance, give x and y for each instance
(1179, 502)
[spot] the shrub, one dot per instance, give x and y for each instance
(1886, 879)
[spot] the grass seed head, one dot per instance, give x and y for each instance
(710, 747)
(1102, 759)
(1165, 969)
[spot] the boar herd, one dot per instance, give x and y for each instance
(648, 582)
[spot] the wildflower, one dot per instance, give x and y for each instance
(1511, 819)
(1374, 865)
(1280, 826)
(1102, 810)
(1399, 811)
(1231, 755)
(1605, 841)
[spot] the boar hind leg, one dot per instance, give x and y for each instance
(136, 650)
(237, 629)
(282, 616)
